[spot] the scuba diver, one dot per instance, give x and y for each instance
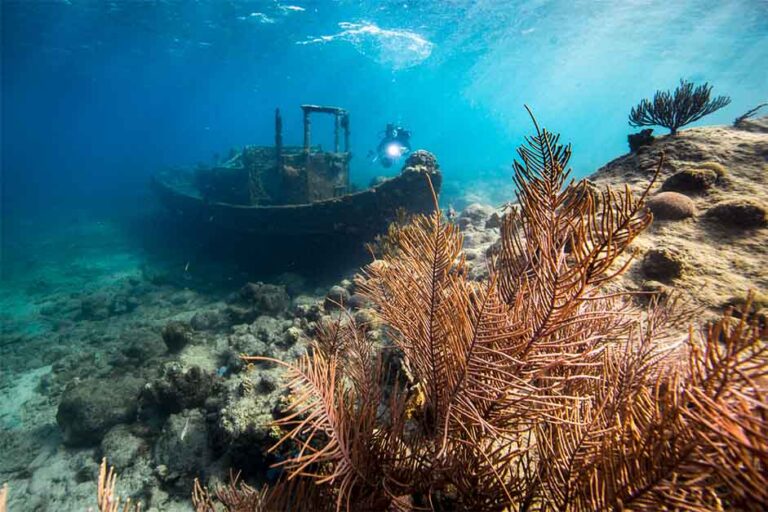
(395, 144)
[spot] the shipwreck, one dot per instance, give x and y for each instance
(298, 190)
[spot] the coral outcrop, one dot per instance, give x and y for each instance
(724, 238)
(690, 181)
(531, 386)
(89, 409)
(740, 213)
(671, 206)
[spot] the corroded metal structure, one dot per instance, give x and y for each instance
(297, 189)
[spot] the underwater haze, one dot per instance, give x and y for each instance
(150, 233)
(99, 95)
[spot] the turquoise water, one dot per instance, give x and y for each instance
(98, 96)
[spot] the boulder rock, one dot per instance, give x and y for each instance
(671, 206)
(690, 180)
(121, 447)
(663, 264)
(358, 301)
(337, 296)
(90, 408)
(268, 299)
(176, 336)
(182, 450)
(739, 213)
(178, 387)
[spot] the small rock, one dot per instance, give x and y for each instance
(663, 264)
(307, 307)
(337, 296)
(656, 289)
(690, 180)
(671, 206)
(640, 139)
(291, 336)
(267, 383)
(367, 319)
(176, 336)
(740, 213)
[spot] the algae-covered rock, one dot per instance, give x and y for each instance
(640, 139)
(90, 408)
(716, 167)
(208, 320)
(739, 213)
(182, 452)
(337, 296)
(178, 387)
(121, 447)
(690, 180)
(663, 264)
(244, 427)
(267, 299)
(671, 206)
(176, 336)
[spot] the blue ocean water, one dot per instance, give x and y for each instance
(98, 96)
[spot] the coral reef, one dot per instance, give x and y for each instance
(177, 388)
(201, 398)
(722, 258)
(676, 109)
(530, 387)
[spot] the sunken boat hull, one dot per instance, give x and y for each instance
(298, 190)
(360, 213)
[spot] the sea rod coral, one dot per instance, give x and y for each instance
(676, 109)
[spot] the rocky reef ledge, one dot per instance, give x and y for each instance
(709, 237)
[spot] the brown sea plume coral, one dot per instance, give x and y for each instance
(535, 389)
